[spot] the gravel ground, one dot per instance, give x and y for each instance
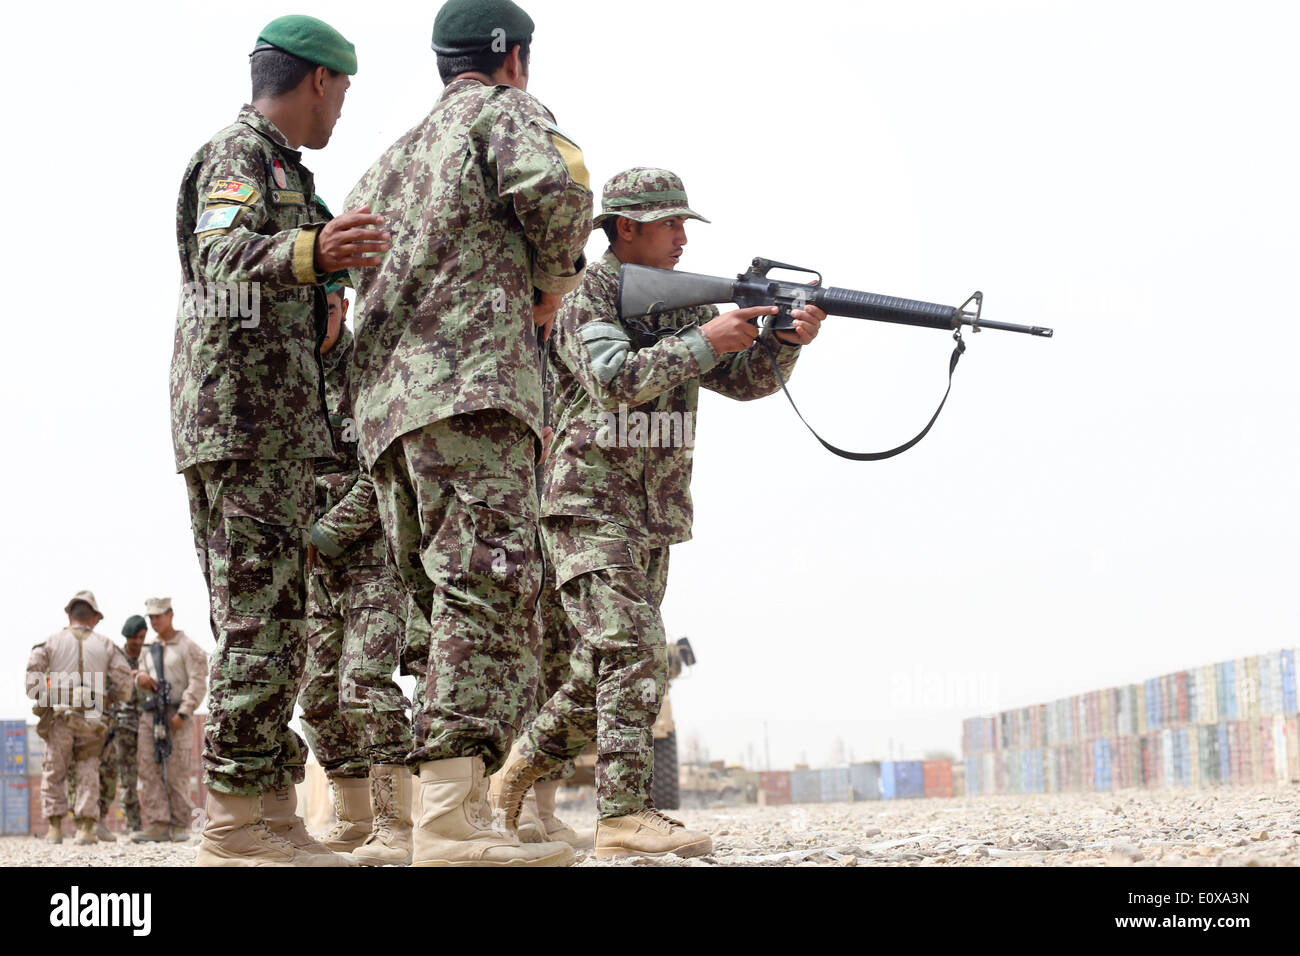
(1131, 828)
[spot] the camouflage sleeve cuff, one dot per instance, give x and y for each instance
(559, 285)
(304, 254)
(700, 347)
(325, 542)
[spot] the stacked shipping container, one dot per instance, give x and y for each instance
(1235, 722)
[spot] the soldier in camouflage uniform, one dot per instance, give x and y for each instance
(490, 210)
(75, 675)
(117, 761)
(354, 714)
(616, 495)
(248, 418)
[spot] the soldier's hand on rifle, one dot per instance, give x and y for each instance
(735, 331)
(147, 682)
(807, 323)
(348, 241)
(177, 723)
(545, 305)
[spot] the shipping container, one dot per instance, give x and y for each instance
(805, 786)
(1270, 683)
(1292, 731)
(13, 748)
(936, 778)
(836, 785)
(15, 804)
(1287, 666)
(1182, 698)
(864, 779)
(775, 786)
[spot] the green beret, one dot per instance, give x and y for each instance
(470, 26)
(332, 287)
(313, 40)
(133, 625)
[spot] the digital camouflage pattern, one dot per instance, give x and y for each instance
(75, 731)
(239, 388)
(248, 416)
(354, 714)
(558, 639)
(615, 495)
(250, 521)
(170, 804)
(618, 670)
(458, 500)
(602, 364)
(127, 716)
(486, 201)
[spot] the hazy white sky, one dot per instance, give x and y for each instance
(1091, 510)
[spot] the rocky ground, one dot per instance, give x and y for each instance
(1131, 828)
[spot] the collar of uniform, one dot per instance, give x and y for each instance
(610, 261)
(250, 116)
(459, 86)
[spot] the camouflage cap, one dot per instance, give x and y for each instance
(86, 596)
(313, 40)
(468, 26)
(644, 194)
(133, 626)
(157, 605)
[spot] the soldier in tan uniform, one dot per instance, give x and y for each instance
(167, 809)
(74, 676)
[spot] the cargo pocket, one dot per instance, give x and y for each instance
(499, 549)
(264, 571)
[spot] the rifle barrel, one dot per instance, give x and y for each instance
(886, 308)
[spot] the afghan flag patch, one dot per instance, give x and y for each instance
(230, 190)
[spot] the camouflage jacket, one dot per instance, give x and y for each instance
(486, 201)
(623, 404)
(347, 532)
(127, 713)
(245, 375)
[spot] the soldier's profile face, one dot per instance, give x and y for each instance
(328, 110)
(159, 622)
(135, 642)
(658, 244)
(338, 306)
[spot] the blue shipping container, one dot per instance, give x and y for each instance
(13, 747)
(1229, 691)
(888, 780)
(1101, 764)
(15, 818)
(910, 779)
(1225, 755)
(1288, 684)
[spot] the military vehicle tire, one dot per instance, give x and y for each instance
(663, 782)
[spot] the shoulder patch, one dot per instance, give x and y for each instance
(230, 190)
(217, 217)
(572, 157)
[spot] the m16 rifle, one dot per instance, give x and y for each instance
(646, 291)
(162, 699)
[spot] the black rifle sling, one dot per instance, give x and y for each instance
(865, 455)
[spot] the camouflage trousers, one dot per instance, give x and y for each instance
(74, 743)
(458, 503)
(116, 763)
(611, 589)
(353, 712)
(558, 641)
(250, 521)
(170, 803)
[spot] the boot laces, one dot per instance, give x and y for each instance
(655, 816)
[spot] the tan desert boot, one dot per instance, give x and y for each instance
(648, 833)
(154, 833)
(54, 833)
(390, 842)
(553, 828)
(104, 833)
(85, 832)
(351, 812)
(280, 814)
(235, 835)
(455, 829)
(180, 834)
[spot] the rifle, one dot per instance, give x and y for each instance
(162, 731)
(646, 291)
